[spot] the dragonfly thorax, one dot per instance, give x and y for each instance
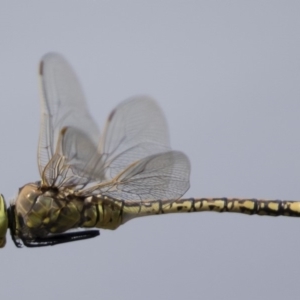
(43, 211)
(40, 211)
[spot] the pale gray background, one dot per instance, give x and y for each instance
(227, 75)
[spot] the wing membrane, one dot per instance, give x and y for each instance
(63, 105)
(159, 176)
(76, 161)
(134, 130)
(133, 160)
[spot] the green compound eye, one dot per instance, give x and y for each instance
(3, 222)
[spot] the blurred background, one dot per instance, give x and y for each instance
(226, 74)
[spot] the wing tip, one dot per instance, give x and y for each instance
(46, 58)
(50, 57)
(111, 115)
(41, 68)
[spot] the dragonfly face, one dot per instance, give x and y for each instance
(87, 178)
(3, 221)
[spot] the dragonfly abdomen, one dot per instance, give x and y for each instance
(102, 212)
(237, 205)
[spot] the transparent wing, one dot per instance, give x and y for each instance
(134, 130)
(63, 105)
(133, 159)
(159, 176)
(136, 157)
(75, 163)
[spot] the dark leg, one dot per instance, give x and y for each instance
(60, 238)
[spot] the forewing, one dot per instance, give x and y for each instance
(63, 105)
(134, 130)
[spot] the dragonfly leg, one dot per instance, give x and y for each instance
(59, 238)
(50, 240)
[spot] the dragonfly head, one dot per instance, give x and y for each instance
(3, 222)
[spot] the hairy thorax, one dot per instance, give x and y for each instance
(42, 211)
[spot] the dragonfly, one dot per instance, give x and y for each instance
(90, 181)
